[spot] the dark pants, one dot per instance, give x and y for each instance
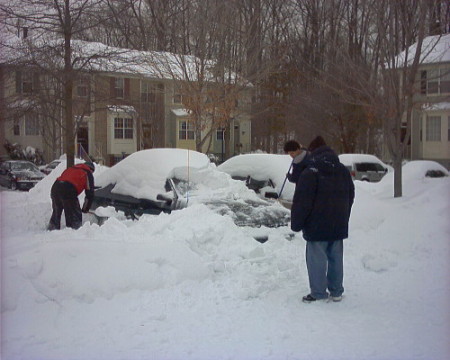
(65, 197)
(324, 260)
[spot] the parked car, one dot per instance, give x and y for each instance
(419, 169)
(263, 173)
(19, 174)
(164, 180)
(364, 167)
(47, 169)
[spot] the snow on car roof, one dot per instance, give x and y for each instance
(258, 166)
(143, 174)
(348, 159)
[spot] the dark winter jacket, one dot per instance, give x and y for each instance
(299, 163)
(80, 176)
(323, 198)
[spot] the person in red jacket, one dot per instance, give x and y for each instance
(64, 194)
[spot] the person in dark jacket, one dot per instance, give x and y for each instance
(321, 208)
(299, 156)
(64, 193)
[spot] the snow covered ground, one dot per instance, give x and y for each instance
(193, 285)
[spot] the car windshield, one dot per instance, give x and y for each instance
(369, 167)
(182, 186)
(22, 166)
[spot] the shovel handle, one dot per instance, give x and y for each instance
(284, 182)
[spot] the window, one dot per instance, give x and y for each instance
(435, 81)
(123, 128)
(24, 82)
(219, 134)
(16, 127)
(433, 128)
(177, 96)
(148, 93)
(445, 80)
(186, 131)
(31, 125)
(119, 88)
(448, 128)
(83, 87)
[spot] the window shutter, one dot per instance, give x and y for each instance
(126, 94)
(18, 82)
(423, 82)
(35, 85)
(112, 87)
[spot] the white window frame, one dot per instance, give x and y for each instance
(119, 87)
(435, 80)
(220, 134)
(26, 81)
(83, 87)
(148, 93)
(177, 97)
(123, 128)
(186, 130)
(433, 128)
(31, 125)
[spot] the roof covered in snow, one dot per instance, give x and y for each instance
(435, 49)
(96, 56)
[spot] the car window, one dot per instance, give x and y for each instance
(435, 173)
(257, 184)
(363, 167)
(22, 166)
(182, 186)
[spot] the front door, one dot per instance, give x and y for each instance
(82, 142)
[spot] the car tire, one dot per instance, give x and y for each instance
(13, 185)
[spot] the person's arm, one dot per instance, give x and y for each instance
(89, 192)
(303, 201)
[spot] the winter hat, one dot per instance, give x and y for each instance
(90, 164)
(316, 143)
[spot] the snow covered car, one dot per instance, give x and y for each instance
(19, 174)
(47, 169)
(163, 180)
(364, 167)
(420, 169)
(263, 173)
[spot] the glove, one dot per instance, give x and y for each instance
(85, 208)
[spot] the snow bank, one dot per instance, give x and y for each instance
(193, 285)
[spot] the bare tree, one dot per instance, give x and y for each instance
(53, 25)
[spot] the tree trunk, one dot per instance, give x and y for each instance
(68, 91)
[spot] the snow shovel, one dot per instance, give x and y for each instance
(284, 182)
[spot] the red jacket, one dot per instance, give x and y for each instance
(80, 177)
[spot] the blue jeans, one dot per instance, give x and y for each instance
(325, 263)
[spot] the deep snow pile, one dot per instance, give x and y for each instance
(193, 285)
